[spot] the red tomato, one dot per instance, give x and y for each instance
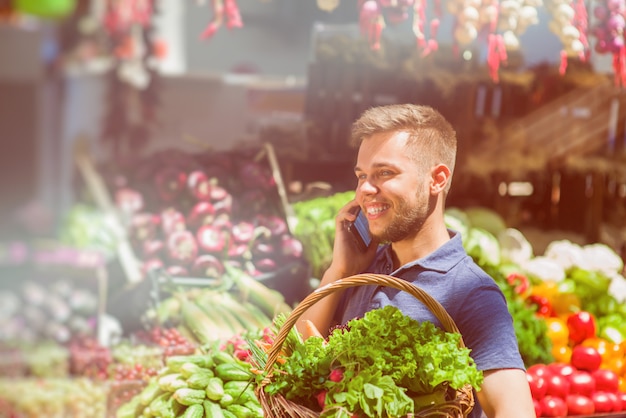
(617, 402)
(606, 380)
(603, 402)
(622, 397)
(580, 405)
(581, 382)
(581, 325)
(557, 386)
(539, 369)
(564, 369)
(538, 385)
(553, 406)
(586, 358)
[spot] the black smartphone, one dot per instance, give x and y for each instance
(360, 231)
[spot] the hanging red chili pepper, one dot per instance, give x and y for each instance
(222, 9)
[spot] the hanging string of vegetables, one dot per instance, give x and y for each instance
(133, 81)
(569, 24)
(222, 10)
(609, 33)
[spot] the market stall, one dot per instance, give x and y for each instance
(171, 283)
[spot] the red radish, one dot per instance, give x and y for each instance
(211, 239)
(223, 202)
(153, 248)
(199, 185)
(291, 247)
(143, 226)
(170, 183)
(238, 251)
(128, 201)
(182, 247)
(262, 249)
(207, 265)
(276, 224)
(336, 375)
(151, 264)
(202, 213)
(177, 271)
(172, 220)
(321, 398)
(265, 265)
(243, 232)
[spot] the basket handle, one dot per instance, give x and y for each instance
(353, 281)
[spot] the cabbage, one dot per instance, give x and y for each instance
(483, 247)
(485, 218)
(567, 254)
(602, 258)
(543, 268)
(514, 246)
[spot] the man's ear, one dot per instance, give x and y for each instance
(440, 178)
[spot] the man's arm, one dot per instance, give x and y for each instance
(505, 393)
(347, 260)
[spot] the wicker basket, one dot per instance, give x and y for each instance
(461, 401)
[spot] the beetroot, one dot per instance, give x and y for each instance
(182, 247)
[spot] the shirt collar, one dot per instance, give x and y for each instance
(443, 259)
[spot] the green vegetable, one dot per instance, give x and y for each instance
(214, 389)
(194, 411)
(386, 357)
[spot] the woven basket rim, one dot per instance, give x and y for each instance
(277, 406)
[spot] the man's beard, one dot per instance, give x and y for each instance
(407, 221)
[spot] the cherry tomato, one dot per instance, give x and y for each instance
(622, 397)
(622, 384)
(606, 380)
(581, 325)
(558, 385)
(538, 385)
(553, 406)
(586, 358)
(603, 402)
(539, 369)
(580, 405)
(581, 383)
(564, 369)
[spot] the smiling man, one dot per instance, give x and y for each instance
(404, 170)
